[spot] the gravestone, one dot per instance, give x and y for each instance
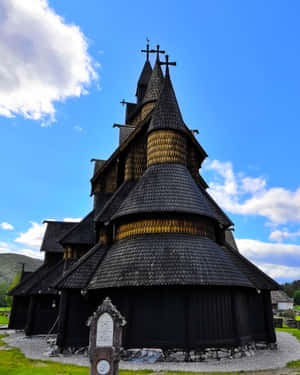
(106, 325)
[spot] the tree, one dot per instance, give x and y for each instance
(297, 297)
(15, 282)
(3, 291)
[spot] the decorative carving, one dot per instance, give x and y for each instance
(165, 226)
(166, 146)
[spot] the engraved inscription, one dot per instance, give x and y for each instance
(105, 331)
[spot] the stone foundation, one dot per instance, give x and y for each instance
(158, 355)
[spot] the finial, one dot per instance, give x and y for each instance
(147, 50)
(123, 102)
(157, 51)
(167, 63)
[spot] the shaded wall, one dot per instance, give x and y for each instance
(179, 317)
(19, 311)
(42, 315)
(75, 310)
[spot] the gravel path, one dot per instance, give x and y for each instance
(288, 350)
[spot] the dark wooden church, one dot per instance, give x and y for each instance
(156, 243)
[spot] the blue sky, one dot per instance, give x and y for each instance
(67, 66)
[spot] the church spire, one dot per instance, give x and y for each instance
(167, 114)
(155, 83)
(145, 75)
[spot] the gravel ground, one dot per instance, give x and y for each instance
(288, 350)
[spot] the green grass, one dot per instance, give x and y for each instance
(13, 362)
(295, 332)
(5, 308)
(297, 307)
(3, 319)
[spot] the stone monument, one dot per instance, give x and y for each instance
(106, 325)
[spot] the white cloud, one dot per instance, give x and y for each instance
(30, 253)
(9, 248)
(280, 235)
(43, 60)
(33, 236)
(258, 249)
(73, 219)
(4, 247)
(278, 271)
(250, 196)
(6, 226)
(77, 128)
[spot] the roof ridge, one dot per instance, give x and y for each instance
(77, 264)
(245, 260)
(112, 199)
(91, 275)
(24, 281)
(75, 227)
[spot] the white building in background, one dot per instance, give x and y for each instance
(281, 301)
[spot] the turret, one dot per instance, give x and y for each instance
(167, 131)
(144, 77)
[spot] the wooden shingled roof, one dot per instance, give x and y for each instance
(155, 84)
(82, 233)
(54, 231)
(166, 188)
(256, 277)
(32, 281)
(80, 273)
(114, 202)
(166, 259)
(166, 114)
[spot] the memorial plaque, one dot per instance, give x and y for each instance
(105, 331)
(106, 326)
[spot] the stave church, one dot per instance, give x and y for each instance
(155, 242)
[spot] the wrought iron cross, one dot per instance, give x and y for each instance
(147, 50)
(157, 50)
(123, 102)
(167, 63)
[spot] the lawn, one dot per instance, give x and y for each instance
(5, 308)
(297, 307)
(13, 362)
(3, 319)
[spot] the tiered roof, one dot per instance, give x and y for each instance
(164, 188)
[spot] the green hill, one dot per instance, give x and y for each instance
(10, 264)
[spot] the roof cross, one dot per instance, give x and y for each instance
(157, 51)
(123, 102)
(167, 63)
(147, 50)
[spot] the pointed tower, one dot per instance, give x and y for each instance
(144, 77)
